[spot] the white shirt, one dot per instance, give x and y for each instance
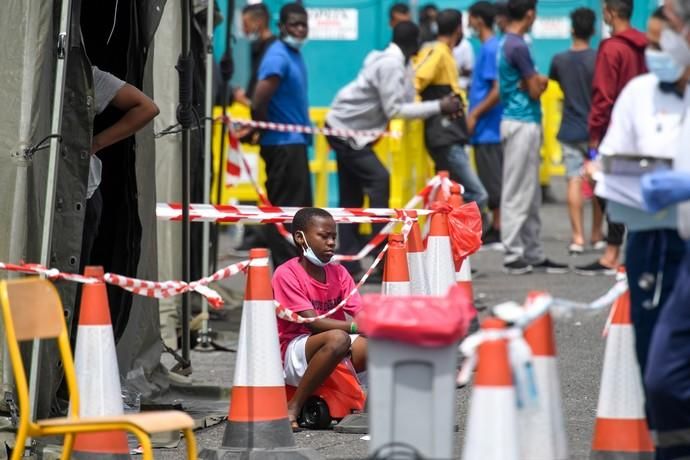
(464, 58)
(645, 121)
(681, 162)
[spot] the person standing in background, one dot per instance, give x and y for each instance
(464, 57)
(428, 27)
(398, 13)
(255, 18)
(281, 97)
(520, 87)
(574, 72)
(619, 60)
(484, 117)
(446, 137)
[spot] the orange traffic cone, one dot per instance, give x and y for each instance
(542, 428)
(439, 257)
(463, 270)
(396, 276)
(491, 431)
(98, 377)
(258, 418)
(621, 429)
(419, 284)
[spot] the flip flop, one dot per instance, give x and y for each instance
(294, 425)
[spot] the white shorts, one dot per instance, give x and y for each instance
(296, 359)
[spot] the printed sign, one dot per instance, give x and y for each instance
(333, 23)
(554, 27)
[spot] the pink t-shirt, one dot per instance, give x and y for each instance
(295, 289)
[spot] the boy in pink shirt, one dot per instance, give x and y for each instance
(310, 285)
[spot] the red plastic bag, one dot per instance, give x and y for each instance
(465, 230)
(424, 321)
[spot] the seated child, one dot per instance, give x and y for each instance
(311, 285)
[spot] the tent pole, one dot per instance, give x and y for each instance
(226, 71)
(51, 180)
(204, 338)
(185, 116)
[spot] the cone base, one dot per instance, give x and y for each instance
(274, 434)
(611, 455)
(99, 456)
(282, 453)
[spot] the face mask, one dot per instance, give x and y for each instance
(661, 64)
(675, 45)
(293, 42)
(311, 257)
(253, 36)
(433, 28)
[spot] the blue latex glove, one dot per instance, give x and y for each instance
(661, 189)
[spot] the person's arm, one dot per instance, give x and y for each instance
(390, 81)
(533, 83)
(139, 110)
(263, 93)
(606, 72)
(489, 102)
(326, 324)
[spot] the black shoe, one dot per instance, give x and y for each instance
(492, 240)
(518, 267)
(551, 267)
(595, 269)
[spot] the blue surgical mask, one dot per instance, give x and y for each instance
(661, 64)
(294, 42)
(253, 36)
(311, 257)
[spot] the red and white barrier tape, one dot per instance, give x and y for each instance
(290, 128)
(288, 315)
(156, 289)
(271, 215)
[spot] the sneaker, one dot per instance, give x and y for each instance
(599, 245)
(492, 241)
(517, 267)
(594, 269)
(575, 249)
(551, 267)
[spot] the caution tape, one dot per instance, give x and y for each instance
(304, 129)
(288, 315)
(155, 289)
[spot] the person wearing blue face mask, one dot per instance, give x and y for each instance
(311, 285)
(667, 378)
(281, 97)
(255, 27)
(646, 120)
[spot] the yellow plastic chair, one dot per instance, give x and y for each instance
(31, 309)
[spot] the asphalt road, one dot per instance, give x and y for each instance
(579, 341)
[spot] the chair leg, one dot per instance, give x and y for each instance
(145, 441)
(191, 443)
(67, 446)
(19, 441)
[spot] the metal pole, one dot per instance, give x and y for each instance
(51, 180)
(226, 71)
(205, 240)
(185, 68)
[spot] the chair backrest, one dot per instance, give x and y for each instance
(32, 309)
(35, 309)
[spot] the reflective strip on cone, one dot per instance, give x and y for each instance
(463, 278)
(419, 283)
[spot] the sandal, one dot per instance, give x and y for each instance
(576, 249)
(294, 425)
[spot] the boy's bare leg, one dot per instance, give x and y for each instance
(575, 210)
(324, 351)
(359, 354)
(597, 222)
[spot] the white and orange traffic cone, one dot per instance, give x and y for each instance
(621, 430)
(419, 283)
(439, 256)
(396, 276)
(542, 428)
(98, 377)
(258, 424)
(492, 432)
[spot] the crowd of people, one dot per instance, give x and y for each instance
(623, 103)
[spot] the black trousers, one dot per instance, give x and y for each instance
(616, 231)
(360, 172)
(288, 183)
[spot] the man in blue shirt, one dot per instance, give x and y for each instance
(281, 97)
(484, 118)
(520, 87)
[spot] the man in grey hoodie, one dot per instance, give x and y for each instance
(368, 103)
